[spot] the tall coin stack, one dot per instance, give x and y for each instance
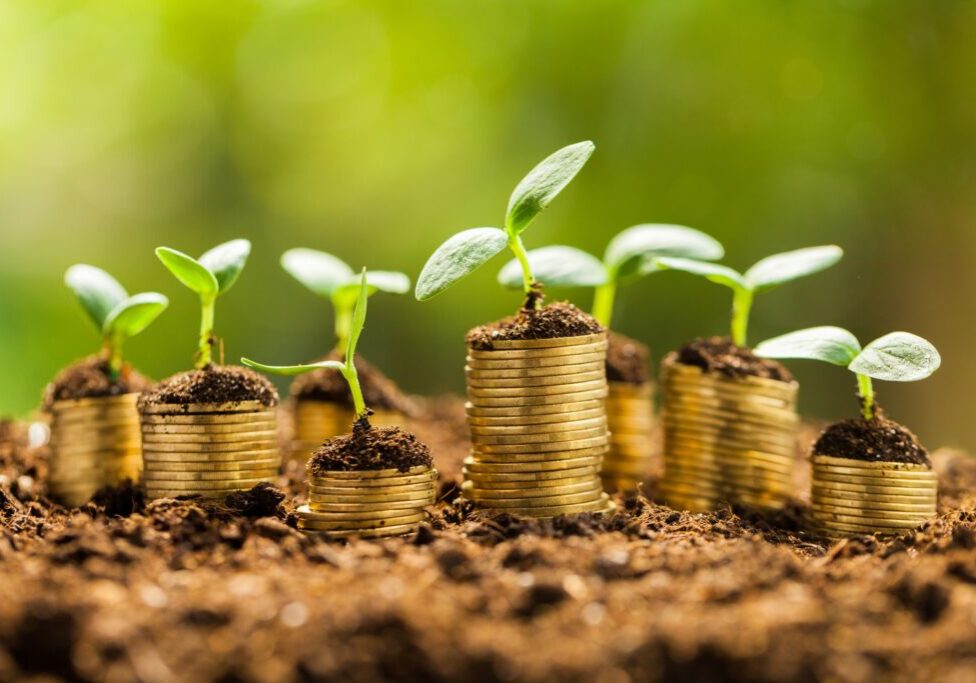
(727, 439)
(94, 443)
(538, 426)
(208, 449)
(367, 503)
(630, 416)
(852, 497)
(317, 421)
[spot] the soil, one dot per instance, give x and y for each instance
(371, 448)
(186, 590)
(328, 385)
(720, 355)
(212, 384)
(628, 360)
(89, 378)
(876, 440)
(558, 319)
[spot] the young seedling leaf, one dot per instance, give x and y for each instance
(291, 370)
(457, 257)
(712, 272)
(134, 314)
(226, 261)
(779, 268)
(320, 272)
(345, 295)
(828, 344)
(632, 251)
(189, 271)
(897, 357)
(97, 291)
(358, 319)
(544, 182)
(556, 266)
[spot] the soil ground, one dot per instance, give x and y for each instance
(186, 591)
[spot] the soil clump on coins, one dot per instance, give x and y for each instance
(212, 384)
(90, 378)
(875, 440)
(720, 355)
(371, 448)
(558, 319)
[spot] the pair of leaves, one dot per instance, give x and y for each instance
(213, 273)
(327, 276)
(114, 312)
(895, 357)
(766, 274)
(470, 249)
(632, 253)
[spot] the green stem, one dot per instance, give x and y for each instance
(114, 348)
(352, 378)
(204, 353)
(865, 390)
(741, 306)
(515, 244)
(343, 324)
(603, 302)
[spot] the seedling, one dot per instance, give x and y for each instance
(348, 368)
(333, 279)
(630, 255)
(469, 249)
(117, 315)
(895, 357)
(767, 274)
(210, 276)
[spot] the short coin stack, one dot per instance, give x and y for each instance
(631, 421)
(208, 449)
(727, 439)
(852, 497)
(94, 443)
(538, 426)
(367, 503)
(317, 421)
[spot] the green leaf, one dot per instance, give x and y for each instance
(458, 256)
(543, 183)
(345, 295)
(632, 251)
(290, 370)
(226, 261)
(134, 314)
(317, 270)
(779, 268)
(358, 319)
(556, 266)
(897, 357)
(712, 272)
(189, 271)
(97, 291)
(828, 344)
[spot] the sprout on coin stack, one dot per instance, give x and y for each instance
(536, 382)
(730, 417)
(212, 430)
(870, 474)
(323, 405)
(92, 403)
(629, 255)
(371, 483)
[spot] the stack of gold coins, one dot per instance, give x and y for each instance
(94, 443)
(318, 421)
(367, 503)
(853, 497)
(727, 439)
(208, 449)
(538, 426)
(630, 416)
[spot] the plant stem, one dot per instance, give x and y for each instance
(603, 299)
(865, 390)
(741, 306)
(114, 348)
(352, 378)
(343, 323)
(515, 244)
(204, 353)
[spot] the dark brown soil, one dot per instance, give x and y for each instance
(328, 385)
(558, 319)
(89, 378)
(627, 360)
(213, 384)
(875, 440)
(720, 355)
(371, 448)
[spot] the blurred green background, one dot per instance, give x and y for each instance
(375, 129)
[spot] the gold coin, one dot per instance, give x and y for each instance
(538, 420)
(517, 394)
(95, 402)
(263, 427)
(479, 432)
(546, 501)
(488, 478)
(345, 487)
(529, 495)
(210, 447)
(722, 405)
(532, 373)
(413, 480)
(529, 383)
(307, 512)
(509, 403)
(845, 473)
(151, 475)
(361, 524)
(535, 363)
(538, 437)
(549, 343)
(536, 459)
(150, 456)
(478, 411)
(257, 417)
(420, 498)
(323, 506)
(602, 504)
(716, 385)
(694, 373)
(919, 483)
(886, 490)
(376, 474)
(129, 423)
(205, 408)
(481, 467)
(523, 354)
(234, 466)
(198, 439)
(836, 529)
(228, 482)
(382, 532)
(561, 449)
(780, 441)
(625, 391)
(873, 500)
(876, 522)
(849, 507)
(827, 460)
(552, 485)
